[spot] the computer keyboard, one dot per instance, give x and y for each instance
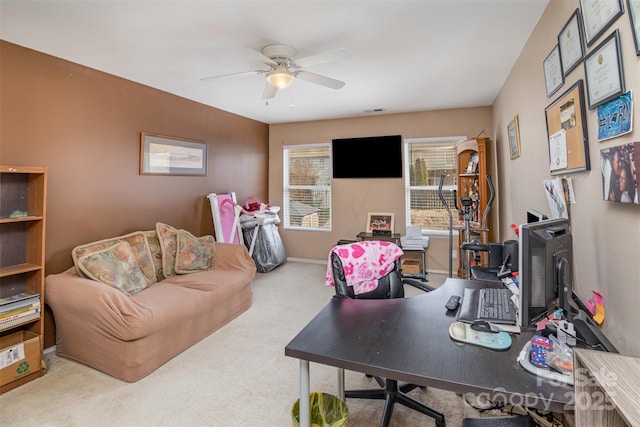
(494, 304)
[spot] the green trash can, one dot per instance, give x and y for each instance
(327, 410)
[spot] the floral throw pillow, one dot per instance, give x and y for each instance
(194, 253)
(138, 243)
(115, 266)
(167, 235)
(156, 253)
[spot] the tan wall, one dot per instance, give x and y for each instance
(85, 126)
(606, 235)
(352, 199)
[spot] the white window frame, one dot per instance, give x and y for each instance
(408, 187)
(286, 187)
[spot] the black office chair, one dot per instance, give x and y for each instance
(389, 286)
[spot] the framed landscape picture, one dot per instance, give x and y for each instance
(163, 155)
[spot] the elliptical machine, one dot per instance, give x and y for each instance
(469, 206)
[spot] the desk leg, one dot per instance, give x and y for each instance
(305, 414)
(424, 265)
(341, 383)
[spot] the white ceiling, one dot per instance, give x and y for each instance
(406, 55)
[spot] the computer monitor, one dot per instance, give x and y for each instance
(535, 216)
(546, 259)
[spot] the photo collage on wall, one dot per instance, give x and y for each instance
(621, 172)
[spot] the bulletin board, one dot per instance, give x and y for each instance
(567, 137)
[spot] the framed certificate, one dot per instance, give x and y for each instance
(603, 70)
(634, 15)
(553, 71)
(598, 15)
(570, 44)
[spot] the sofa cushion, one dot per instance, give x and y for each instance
(194, 253)
(115, 266)
(168, 236)
(138, 244)
(156, 253)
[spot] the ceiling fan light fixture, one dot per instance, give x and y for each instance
(280, 77)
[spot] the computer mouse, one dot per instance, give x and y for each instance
(458, 331)
(484, 326)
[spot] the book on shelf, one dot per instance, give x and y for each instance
(22, 296)
(5, 308)
(20, 310)
(21, 320)
(14, 317)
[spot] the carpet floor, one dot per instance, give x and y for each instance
(238, 376)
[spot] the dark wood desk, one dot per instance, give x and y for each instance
(408, 340)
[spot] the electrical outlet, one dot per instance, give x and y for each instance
(454, 254)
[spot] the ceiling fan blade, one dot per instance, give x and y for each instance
(318, 79)
(269, 91)
(243, 73)
(262, 57)
(321, 58)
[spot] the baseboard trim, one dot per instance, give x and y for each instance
(307, 260)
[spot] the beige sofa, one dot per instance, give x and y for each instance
(128, 337)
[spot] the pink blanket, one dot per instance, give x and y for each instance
(364, 263)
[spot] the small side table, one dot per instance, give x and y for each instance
(393, 237)
(423, 264)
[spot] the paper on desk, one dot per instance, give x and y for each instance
(414, 231)
(511, 285)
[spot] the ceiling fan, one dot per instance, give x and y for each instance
(284, 68)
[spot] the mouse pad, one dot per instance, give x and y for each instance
(462, 332)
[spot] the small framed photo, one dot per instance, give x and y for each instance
(570, 44)
(598, 15)
(164, 155)
(634, 15)
(380, 222)
(553, 71)
(603, 71)
(514, 138)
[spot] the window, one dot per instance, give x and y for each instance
(307, 187)
(426, 159)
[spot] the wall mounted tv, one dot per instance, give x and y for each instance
(369, 157)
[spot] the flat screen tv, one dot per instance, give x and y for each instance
(369, 157)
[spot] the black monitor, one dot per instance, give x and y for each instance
(546, 259)
(535, 216)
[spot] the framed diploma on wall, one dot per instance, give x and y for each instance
(570, 44)
(634, 16)
(603, 70)
(598, 15)
(553, 71)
